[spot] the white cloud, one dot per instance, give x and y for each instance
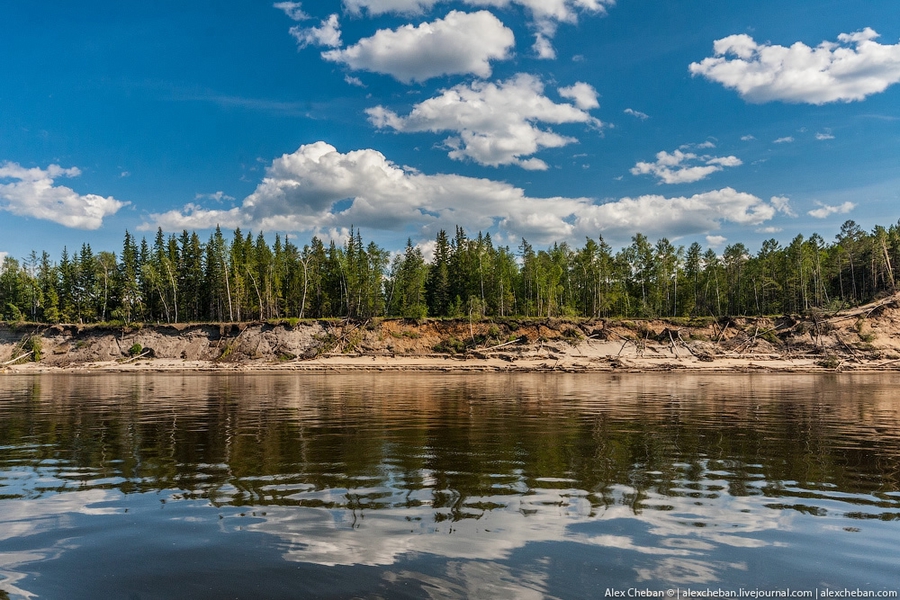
(328, 33)
(543, 48)
(354, 81)
(851, 69)
(684, 167)
(715, 241)
(825, 210)
(826, 135)
(300, 191)
(218, 196)
(584, 95)
(380, 7)
(784, 140)
(495, 123)
(545, 13)
(673, 217)
(460, 43)
(292, 9)
(32, 193)
(748, 138)
(783, 205)
(769, 230)
(3, 256)
(636, 113)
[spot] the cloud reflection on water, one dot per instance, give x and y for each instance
(676, 479)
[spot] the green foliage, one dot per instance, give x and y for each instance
(34, 344)
(413, 335)
(135, 349)
(829, 361)
(180, 278)
(770, 337)
(451, 345)
(13, 313)
(572, 335)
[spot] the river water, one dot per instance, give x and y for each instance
(442, 486)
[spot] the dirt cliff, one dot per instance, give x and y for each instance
(864, 338)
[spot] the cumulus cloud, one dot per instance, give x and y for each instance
(217, 196)
(784, 140)
(32, 193)
(380, 7)
(546, 13)
(543, 48)
(684, 167)
(783, 205)
(307, 189)
(460, 43)
(851, 69)
(824, 135)
(495, 123)
(661, 216)
(715, 241)
(747, 138)
(583, 94)
(328, 33)
(637, 114)
(825, 210)
(293, 10)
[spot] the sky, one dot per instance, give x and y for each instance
(552, 120)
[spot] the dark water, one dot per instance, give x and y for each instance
(421, 486)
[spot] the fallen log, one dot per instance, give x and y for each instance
(18, 358)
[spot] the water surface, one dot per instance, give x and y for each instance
(434, 486)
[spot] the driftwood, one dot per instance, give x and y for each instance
(509, 343)
(339, 343)
(722, 333)
(18, 358)
(685, 344)
(846, 345)
(672, 340)
(640, 348)
(866, 310)
(133, 358)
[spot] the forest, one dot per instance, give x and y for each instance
(180, 278)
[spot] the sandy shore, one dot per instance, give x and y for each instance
(580, 360)
(862, 339)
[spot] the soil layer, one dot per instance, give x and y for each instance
(863, 339)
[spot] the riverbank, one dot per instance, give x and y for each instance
(863, 339)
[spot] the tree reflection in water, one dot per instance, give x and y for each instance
(675, 478)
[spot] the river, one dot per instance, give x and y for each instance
(447, 486)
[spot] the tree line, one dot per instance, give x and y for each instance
(180, 278)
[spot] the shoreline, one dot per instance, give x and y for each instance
(864, 339)
(451, 365)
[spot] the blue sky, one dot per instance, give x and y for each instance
(713, 121)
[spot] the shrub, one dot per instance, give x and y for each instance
(451, 345)
(135, 350)
(829, 361)
(34, 344)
